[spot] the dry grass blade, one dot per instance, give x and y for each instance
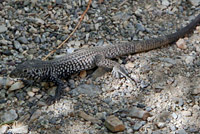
(82, 16)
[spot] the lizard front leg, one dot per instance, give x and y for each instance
(59, 89)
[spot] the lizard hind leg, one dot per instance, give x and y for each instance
(117, 70)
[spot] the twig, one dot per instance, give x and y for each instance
(61, 44)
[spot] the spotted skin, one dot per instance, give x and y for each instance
(85, 59)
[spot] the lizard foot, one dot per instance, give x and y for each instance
(52, 99)
(119, 71)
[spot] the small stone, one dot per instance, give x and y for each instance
(186, 113)
(17, 45)
(35, 89)
(165, 2)
(77, 43)
(59, 2)
(161, 124)
(37, 39)
(3, 28)
(5, 42)
(22, 129)
(35, 115)
(180, 102)
(130, 131)
(195, 2)
(89, 90)
(39, 21)
(181, 44)
(182, 131)
(41, 103)
(83, 74)
(189, 59)
(96, 26)
(87, 117)
(172, 127)
(129, 65)
(70, 50)
(16, 86)
(31, 94)
(23, 40)
(140, 27)
(138, 113)
(114, 124)
(138, 125)
(9, 116)
(3, 128)
(174, 116)
(32, 30)
(6, 81)
(196, 90)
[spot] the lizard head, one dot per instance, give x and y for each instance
(28, 69)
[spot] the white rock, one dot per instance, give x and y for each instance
(15, 86)
(20, 129)
(30, 93)
(3, 129)
(174, 116)
(3, 28)
(35, 115)
(165, 2)
(189, 59)
(195, 2)
(139, 113)
(187, 113)
(161, 124)
(6, 81)
(129, 65)
(9, 115)
(181, 44)
(182, 131)
(35, 89)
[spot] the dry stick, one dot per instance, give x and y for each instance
(82, 16)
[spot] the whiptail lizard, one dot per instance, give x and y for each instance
(85, 59)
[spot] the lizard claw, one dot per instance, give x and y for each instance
(52, 99)
(119, 71)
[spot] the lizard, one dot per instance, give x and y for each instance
(84, 59)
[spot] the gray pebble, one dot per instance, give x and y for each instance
(165, 2)
(169, 60)
(59, 2)
(23, 40)
(3, 28)
(9, 115)
(17, 45)
(140, 27)
(172, 127)
(181, 131)
(138, 125)
(195, 2)
(37, 39)
(180, 102)
(174, 116)
(38, 21)
(5, 42)
(89, 90)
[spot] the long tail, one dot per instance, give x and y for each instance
(164, 40)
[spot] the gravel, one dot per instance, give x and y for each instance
(167, 79)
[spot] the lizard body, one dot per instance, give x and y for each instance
(85, 59)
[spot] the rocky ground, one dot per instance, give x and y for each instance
(165, 100)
